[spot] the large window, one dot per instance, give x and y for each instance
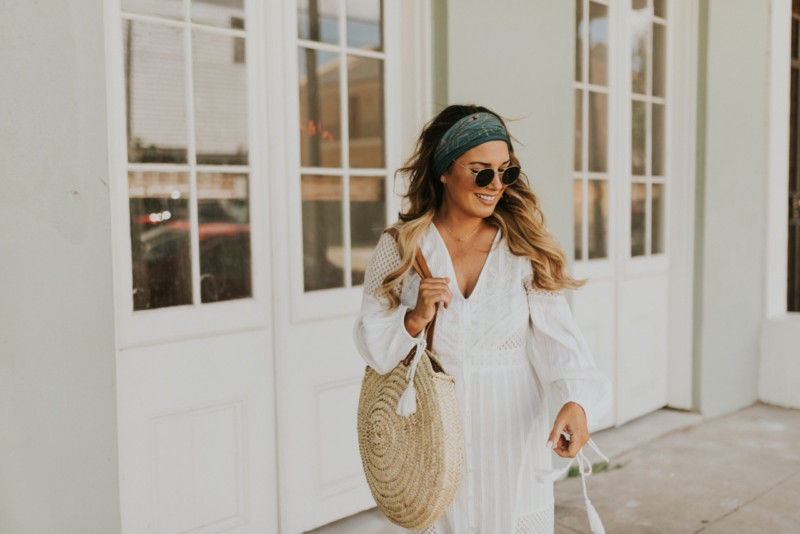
(793, 290)
(188, 151)
(341, 63)
(591, 178)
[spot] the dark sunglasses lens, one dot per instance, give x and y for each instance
(484, 177)
(510, 175)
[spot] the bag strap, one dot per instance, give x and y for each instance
(421, 267)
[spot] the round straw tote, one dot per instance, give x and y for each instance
(412, 462)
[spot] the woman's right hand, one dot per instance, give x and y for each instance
(432, 291)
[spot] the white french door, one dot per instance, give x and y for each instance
(188, 181)
(354, 97)
(631, 121)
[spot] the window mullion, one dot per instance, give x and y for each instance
(194, 233)
(345, 147)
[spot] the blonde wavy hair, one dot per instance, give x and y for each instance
(517, 214)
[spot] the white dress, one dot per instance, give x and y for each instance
(501, 344)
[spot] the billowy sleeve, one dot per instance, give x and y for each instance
(561, 356)
(380, 333)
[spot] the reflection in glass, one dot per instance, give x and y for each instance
(577, 217)
(318, 20)
(659, 60)
(578, 40)
(172, 9)
(598, 131)
(226, 14)
(320, 114)
(223, 214)
(658, 140)
(638, 137)
(640, 37)
(365, 24)
(578, 156)
(638, 219)
(660, 8)
(220, 100)
(598, 44)
(160, 246)
(598, 219)
(658, 219)
(365, 110)
(323, 247)
(367, 221)
(155, 103)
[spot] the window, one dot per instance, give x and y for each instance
(591, 177)
(648, 126)
(793, 289)
(188, 167)
(341, 62)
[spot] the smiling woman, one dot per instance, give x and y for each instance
(496, 281)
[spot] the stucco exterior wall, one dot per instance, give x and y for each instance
(732, 137)
(58, 437)
(521, 66)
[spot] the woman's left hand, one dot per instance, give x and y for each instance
(571, 420)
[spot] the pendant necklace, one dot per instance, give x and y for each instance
(462, 239)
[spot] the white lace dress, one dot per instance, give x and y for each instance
(501, 344)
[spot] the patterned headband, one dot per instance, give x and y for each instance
(467, 133)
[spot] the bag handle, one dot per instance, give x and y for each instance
(421, 267)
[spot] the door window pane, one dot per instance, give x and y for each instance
(323, 247)
(223, 212)
(658, 220)
(365, 24)
(577, 216)
(598, 44)
(367, 221)
(660, 8)
(164, 8)
(220, 100)
(638, 137)
(638, 219)
(320, 110)
(578, 155)
(365, 110)
(160, 244)
(598, 131)
(225, 14)
(318, 20)
(155, 99)
(579, 40)
(659, 130)
(640, 38)
(598, 219)
(659, 60)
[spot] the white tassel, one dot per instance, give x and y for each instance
(594, 519)
(407, 404)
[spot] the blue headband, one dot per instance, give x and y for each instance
(467, 133)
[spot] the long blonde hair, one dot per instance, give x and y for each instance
(517, 214)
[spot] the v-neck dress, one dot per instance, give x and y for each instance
(504, 345)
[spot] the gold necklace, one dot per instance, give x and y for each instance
(472, 233)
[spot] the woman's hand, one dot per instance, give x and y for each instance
(571, 420)
(432, 291)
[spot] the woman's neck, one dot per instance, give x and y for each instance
(459, 225)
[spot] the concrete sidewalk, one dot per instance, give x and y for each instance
(673, 472)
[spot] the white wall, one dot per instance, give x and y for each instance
(517, 58)
(58, 437)
(732, 167)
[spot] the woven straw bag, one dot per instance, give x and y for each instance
(409, 434)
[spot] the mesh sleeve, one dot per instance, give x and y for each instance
(384, 260)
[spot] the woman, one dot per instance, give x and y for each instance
(503, 329)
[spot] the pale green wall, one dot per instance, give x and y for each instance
(732, 167)
(517, 58)
(58, 425)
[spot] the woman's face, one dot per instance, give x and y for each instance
(461, 195)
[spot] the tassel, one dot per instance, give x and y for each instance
(407, 404)
(594, 519)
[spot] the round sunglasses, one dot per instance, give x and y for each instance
(484, 177)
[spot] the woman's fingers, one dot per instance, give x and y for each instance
(571, 420)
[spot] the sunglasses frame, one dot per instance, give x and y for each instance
(477, 172)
